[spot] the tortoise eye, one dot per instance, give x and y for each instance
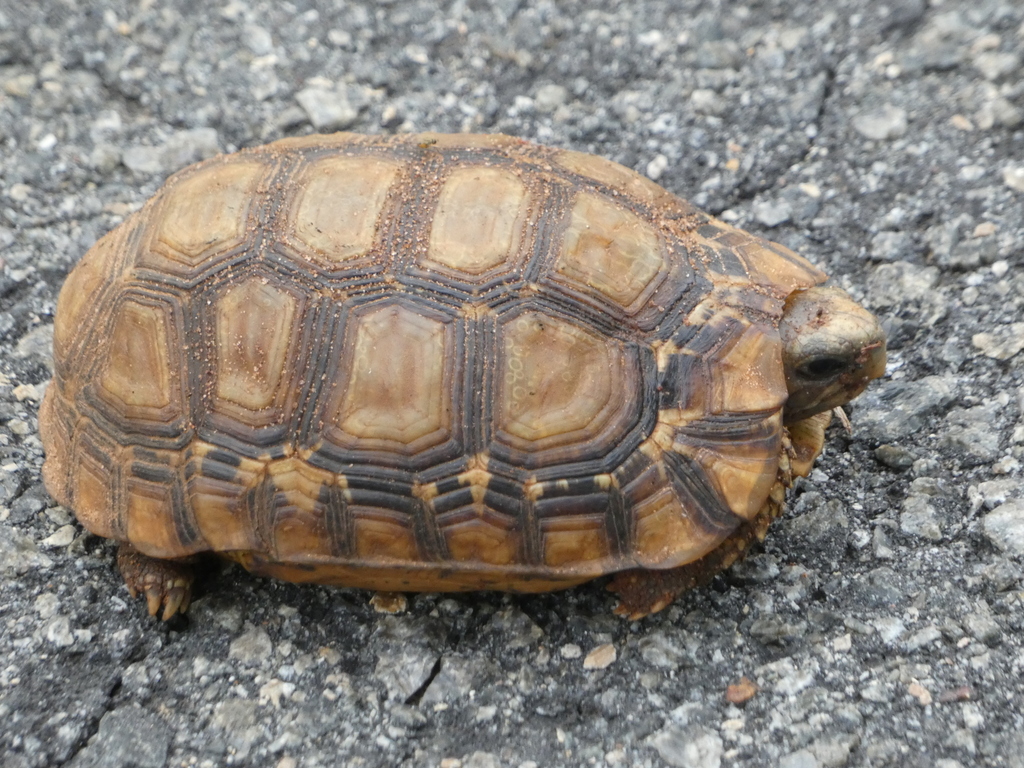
(823, 367)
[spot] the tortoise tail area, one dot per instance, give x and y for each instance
(643, 592)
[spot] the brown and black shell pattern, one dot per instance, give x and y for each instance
(421, 362)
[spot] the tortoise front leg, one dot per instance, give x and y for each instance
(166, 583)
(643, 592)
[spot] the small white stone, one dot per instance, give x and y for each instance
(417, 54)
(919, 518)
(275, 690)
(62, 537)
(571, 651)
(800, 759)
(1001, 344)
(21, 85)
(973, 718)
(251, 647)
(327, 109)
(651, 37)
(707, 102)
(972, 172)
(657, 167)
(33, 392)
(1013, 177)
(1007, 465)
(258, 40)
(771, 213)
(602, 657)
(810, 189)
(485, 714)
(340, 38)
(59, 633)
(889, 122)
(875, 691)
(550, 97)
(19, 427)
(1004, 526)
(889, 629)
(996, 64)
(46, 605)
(694, 747)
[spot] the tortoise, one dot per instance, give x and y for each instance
(438, 363)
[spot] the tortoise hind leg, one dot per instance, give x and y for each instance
(166, 583)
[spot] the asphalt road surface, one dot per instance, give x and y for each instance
(880, 623)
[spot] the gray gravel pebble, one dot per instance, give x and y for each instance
(801, 759)
(328, 108)
(897, 409)
(1004, 527)
(1002, 343)
(252, 647)
(919, 518)
(889, 122)
(129, 737)
(693, 747)
(181, 149)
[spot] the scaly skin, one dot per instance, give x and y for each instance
(165, 583)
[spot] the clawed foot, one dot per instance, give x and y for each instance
(642, 593)
(165, 583)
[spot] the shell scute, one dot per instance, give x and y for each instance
(202, 217)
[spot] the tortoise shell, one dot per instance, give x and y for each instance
(422, 362)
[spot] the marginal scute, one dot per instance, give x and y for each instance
(395, 393)
(609, 249)
(139, 377)
(150, 526)
(743, 482)
(739, 254)
(56, 432)
(487, 538)
(478, 220)
(561, 384)
(219, 511)
(78, 295)
(436, 141)
(616, 177)
(776, 266)
(381, 534)
(218, 499)
(666, 534)
(206, 211)
(254, 343)
(298, 483)
(337, 208)
(92, 495)
(741, 463)
(575, 540)
(300, 528)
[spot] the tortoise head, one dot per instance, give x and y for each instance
(831, 348)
